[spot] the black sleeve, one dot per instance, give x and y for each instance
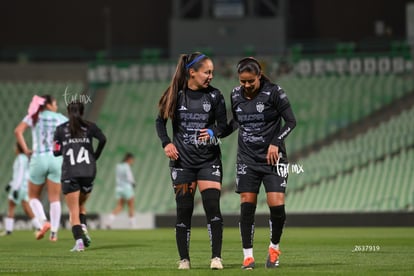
(233, 124)
(220, 114)
(57, 144)
(97, 133)
(282, 105)
(160, 125)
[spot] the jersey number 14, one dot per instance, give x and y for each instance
(83, 156)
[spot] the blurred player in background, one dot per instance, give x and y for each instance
(17, 189)
(198, 114)
(125, 184)
(73, 140)
(43, 118)
(258, 107)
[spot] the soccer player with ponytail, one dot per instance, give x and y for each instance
(198, 115)
(73, 140)
(44, 168)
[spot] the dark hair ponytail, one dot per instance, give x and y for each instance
(75, 113)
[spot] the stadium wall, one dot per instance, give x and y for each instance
(50, 71)
(309, 220)
(149, 221)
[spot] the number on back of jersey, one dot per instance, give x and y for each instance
(82, 156)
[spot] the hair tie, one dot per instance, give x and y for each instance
(194, 61)
(35, 104)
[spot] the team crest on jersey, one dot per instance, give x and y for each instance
(260, 107)
(206, 106)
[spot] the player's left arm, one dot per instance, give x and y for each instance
(282, 105)
(98, 134)
(18, 174)
(130, 177)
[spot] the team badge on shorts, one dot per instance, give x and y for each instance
(241, 169)
(217, 171)
(206, 106)
(260, 107)
(174, 174)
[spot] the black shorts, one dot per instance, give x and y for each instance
(249, 178)
(82, 184)
(213, 172)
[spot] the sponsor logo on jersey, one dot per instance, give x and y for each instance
(260, 107)
(182, 108)
(238, 109)
(266, 92)
(206, 106)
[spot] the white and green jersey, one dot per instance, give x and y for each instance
(43, 131)
(20, 173)
(124, 177)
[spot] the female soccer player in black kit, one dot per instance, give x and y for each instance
(73, 140)
(258, 107)
(198, 114)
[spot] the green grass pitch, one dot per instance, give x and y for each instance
(305, 251)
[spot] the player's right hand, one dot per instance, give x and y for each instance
(171, 151)
(28, 152)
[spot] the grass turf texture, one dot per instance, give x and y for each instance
(360, 251)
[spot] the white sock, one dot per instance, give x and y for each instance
(132, 223)
(248, 252)
(55, 213)
(275, 246)
(36, 224)
(38, 210)
(9, 223)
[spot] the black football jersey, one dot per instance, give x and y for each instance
(195, 110)
(260, 122)
(79, 158)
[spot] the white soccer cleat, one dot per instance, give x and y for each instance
(79, 246)
(216, 263)
(184, 264)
